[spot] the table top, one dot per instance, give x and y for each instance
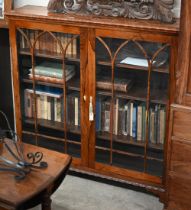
(13, 192)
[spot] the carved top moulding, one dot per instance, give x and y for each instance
(139, 9)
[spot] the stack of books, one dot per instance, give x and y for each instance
(52, 72)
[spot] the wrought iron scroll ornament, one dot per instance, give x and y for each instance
(18, 163)
(139, 9)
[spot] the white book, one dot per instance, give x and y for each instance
(76, 111)
(45, 104)
(136, 61)
(42, 106)
(131, 119)
(38, 104)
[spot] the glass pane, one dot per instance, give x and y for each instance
(49, 68)
(132, 80)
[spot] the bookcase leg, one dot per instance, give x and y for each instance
(46, 203)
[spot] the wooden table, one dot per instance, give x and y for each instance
(37, 187)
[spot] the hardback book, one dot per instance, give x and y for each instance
(99, 107)
(134, 121)
(73, 109)
(139, 122)
(131, 118)
(127, 119)
(106, 115)
(144, 121)
(46, 93)
(51, 69)
(51, 79)
(120, 84)
(28, 104)
(162, 125)
(152, 126)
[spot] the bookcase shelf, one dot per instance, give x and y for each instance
(49, 54)
(135, 93)
(128, 140)
(100, 135)
(103, 123)
(163, 69)
(54, 125)
(139, 94)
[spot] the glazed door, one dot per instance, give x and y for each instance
(50, 64)
(131, 106)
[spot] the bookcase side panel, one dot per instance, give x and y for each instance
(15, 75)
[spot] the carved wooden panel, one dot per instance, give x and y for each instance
(182, 125)
(183, 69)
(181, 158)
(180, 191)
(140, 9)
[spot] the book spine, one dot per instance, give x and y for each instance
(45, 104)
(162, 126)
(143, 122)
(98, 114)
(38, 107)
(121, 121)
(139, 123)
(108, 86)
(116, 117)
(28, 104)
(52, 108)
(125, 120)
(76, 111)
(134, 123)
(107, 117)
(131, 119)
(48, 108)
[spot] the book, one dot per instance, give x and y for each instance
(120, 84)
(131, 119)
(144, 121)
(127, 119)
(46, 93)
(98, 117)
(28, 104)
(135, 61)
(106, 115)
(162, 125)
(51, 69)
(51, 79)
(134, 121)
(160, 60)
(139, 122)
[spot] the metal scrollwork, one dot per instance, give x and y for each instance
(139, 9)
(17, 163)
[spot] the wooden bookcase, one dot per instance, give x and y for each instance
(179, 158)
(121, 135)
(7, 8)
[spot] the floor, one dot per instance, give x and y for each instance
(82, 194)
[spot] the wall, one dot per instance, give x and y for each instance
(19, 3)
(6, 98)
